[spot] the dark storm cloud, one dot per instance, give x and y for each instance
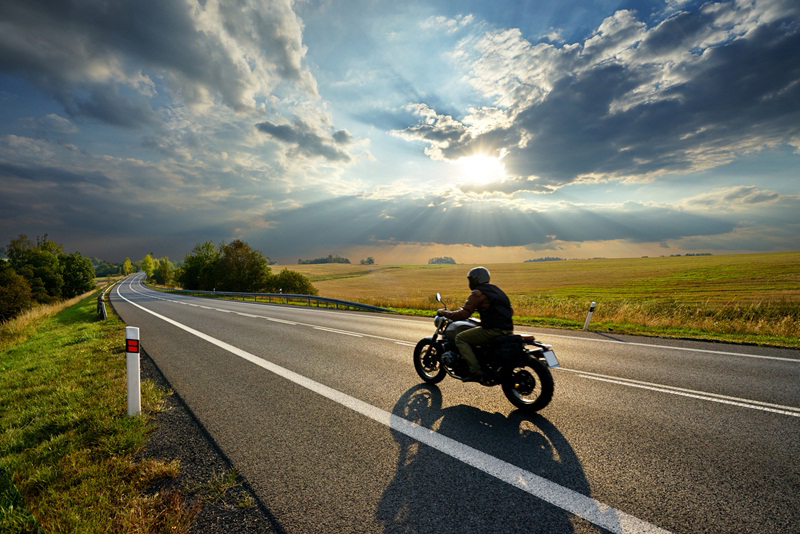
(69, 47)
(304, 140)
(35, 173)
(353, 221)
(107, 222)
(692, 93)
(106, 104)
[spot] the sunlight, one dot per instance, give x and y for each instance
(480, 169)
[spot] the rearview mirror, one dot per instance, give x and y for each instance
(439, 297)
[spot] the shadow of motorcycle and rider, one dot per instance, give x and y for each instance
(427, 494)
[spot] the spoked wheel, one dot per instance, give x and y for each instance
(529, 387)
(427, 362)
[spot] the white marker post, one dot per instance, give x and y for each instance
(589, 317)
(134, 379)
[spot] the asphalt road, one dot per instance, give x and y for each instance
(322, 412)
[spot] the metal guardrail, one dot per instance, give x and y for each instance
(285, 297)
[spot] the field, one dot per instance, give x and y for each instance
(751, 298)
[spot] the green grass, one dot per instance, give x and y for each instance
(746, 298)
(68, 450)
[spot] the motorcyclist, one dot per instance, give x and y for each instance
(494, 308)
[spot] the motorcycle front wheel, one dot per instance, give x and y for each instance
(427, 361)
(529, 387)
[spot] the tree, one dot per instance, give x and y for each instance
(127, 267)
(200, 267)
(104, 268)
(148, 265)
(163, 271)
(78, 274)
(39, 265)
(241, 268)
(442, 260)
(293, 282)
(369, 261)
(15, 294)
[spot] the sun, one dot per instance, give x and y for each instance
(480, 169)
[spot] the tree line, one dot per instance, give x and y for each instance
(40, 273)
(330, 259)
(228, 267)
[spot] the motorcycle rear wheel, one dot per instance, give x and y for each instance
(530, 386)
(427, 361)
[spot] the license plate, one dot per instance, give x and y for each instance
(551, 359)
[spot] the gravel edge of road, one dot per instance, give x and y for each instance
(229, 506)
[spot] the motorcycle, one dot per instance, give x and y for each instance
(519, 364)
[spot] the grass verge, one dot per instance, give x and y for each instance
(68, 451)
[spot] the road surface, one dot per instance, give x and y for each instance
(323, 414)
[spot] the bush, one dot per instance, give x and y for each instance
(293, 283)
(15, 294)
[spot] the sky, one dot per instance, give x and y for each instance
(487, 131)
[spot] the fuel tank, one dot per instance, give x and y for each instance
(455, 328)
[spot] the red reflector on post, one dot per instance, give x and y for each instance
(132, 345)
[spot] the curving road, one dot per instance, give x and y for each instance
(322, 412)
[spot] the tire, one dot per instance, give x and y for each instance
(529, 387)
(427, 363)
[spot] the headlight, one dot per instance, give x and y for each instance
(438, 321)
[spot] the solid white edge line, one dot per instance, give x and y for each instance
(592, 510)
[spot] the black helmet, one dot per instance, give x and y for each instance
(477, 276)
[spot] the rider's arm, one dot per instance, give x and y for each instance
(469, 307)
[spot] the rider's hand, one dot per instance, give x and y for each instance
(440, 311)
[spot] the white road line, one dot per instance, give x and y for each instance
(332, 330)
(743, 403)
(279, 321)
(592, 510)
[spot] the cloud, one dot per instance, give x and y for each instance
(448, 25)
(739, 197)
(203, 52)
(51, 175)
(51, 124)
(182, 207)
(107, 105)
(357, 221)
(756, 238)
(342, 137)
(306, 141)
(695, 91)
